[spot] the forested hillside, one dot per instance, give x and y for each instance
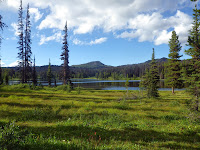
(94, 69)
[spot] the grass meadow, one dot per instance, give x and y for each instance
(53, 118)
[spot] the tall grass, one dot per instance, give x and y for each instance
(53, 118)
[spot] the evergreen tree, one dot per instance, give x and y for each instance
(173, 69)
(192, 74)
(27, 47)
(49, 74)
(151, 79)
(65, 57)
(2, 25)
(34, 74)
(21, 42)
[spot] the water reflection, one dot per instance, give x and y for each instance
(102, 84)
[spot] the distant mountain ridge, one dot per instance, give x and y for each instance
(91, 65)
(97, 69)
(97, 65)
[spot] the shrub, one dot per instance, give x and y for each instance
(11, 137)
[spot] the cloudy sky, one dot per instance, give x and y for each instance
(115, 32)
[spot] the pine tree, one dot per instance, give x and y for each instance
(154, 77)
(21, 42)
(192, 75)
(65, 57)
(27, 47)
(173, 69)
(2, 25)
(34, 74)
(49, 74)
(150, 80)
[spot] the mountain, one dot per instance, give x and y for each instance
(96, 68)
(91, 65)
(158, 60)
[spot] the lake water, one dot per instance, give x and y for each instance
(103, 84)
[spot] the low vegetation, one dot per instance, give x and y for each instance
(55, 118)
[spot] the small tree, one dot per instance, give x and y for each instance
(49, 74)
(127, 84)
(173, 69)
(151, 79)
(34, 74)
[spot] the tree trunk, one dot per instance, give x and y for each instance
(172, 90)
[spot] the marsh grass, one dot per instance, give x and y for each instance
(91, 119)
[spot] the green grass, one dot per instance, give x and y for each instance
(50, 118)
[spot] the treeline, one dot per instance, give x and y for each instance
(134, 71)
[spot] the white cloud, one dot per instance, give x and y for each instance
(56, 36)
(143, 18)
(35, 13)
(14, 64)
(85, 15)
(78, 42)
(155, 28)
(163, 38)
(96, 41)
(13, 3)
(3, 64)
(15, 28)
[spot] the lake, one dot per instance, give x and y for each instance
(103, 84)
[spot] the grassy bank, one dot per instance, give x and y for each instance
(50, 118)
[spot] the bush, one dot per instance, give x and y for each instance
(78, 89)
(11, 137)
(67, 88)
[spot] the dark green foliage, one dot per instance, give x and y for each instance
(65, 57)
(6, 78)
(2, 25)
(21, 43)
(34, 74)
(151, 79)
(1, 75)
(191, 76)
(173, 68)
(49, 74)
(12, 137)
(27, 48)
(192, 71)
(193, 38)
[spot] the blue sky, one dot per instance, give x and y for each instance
(115, 32)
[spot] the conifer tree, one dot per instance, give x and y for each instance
(34, 74)
(21, 42)
(2, 25)
(49, 74)
(151, 79)
(65, 57)
(173, 69)
(27, 47)
(154, 77)
(192, 73)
